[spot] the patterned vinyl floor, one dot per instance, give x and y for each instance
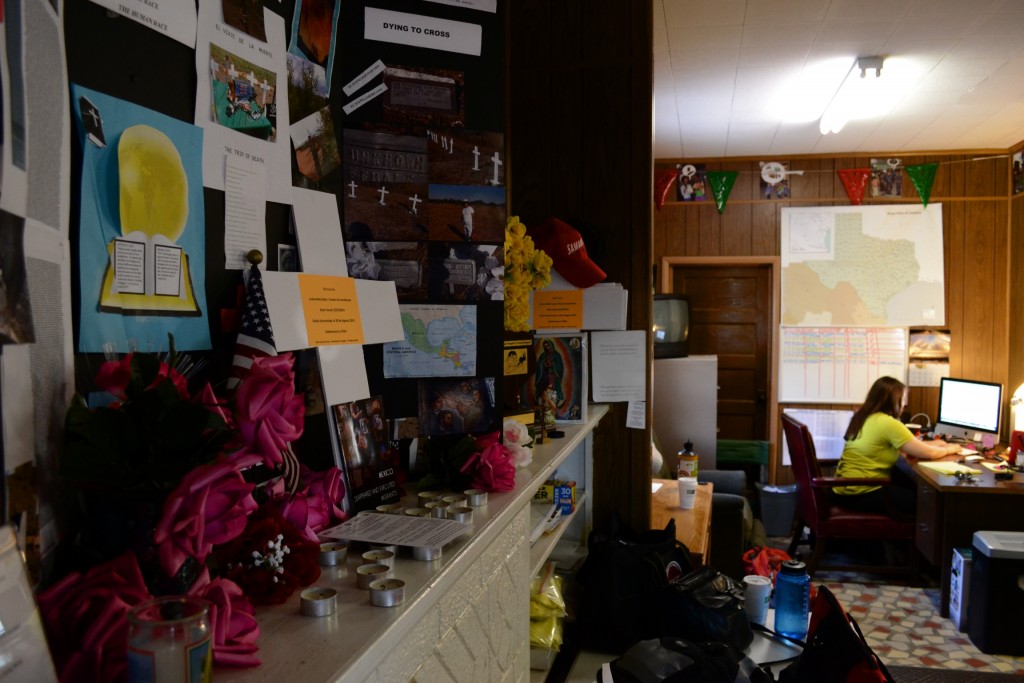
(903, 626)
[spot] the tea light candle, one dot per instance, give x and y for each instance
(368, 573)
(438, 508)
(318, 601)
(387, 592)
(418, 512)
(427, 496)
(476, 497)
(426, 554)
(391, 509)
(333, 553)
(379, 557)
(456, 499)
(461, 514)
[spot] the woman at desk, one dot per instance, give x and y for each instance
(874, 441)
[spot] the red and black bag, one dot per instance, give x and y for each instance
(764, 561)
(835, 651)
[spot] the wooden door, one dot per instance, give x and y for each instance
(731, 317)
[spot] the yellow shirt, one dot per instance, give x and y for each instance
(873, 452)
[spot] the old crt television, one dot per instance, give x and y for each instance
(671, 325)
(968, 409)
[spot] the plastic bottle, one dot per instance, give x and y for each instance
(687, 461)
(792, 599)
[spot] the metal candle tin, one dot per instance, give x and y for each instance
(438, 508)
(461, 514)
(387, 592)
(418, 512)
(318, 601)
(333, 553)
(368, 573)
(379, 557)
(426, 554)
(391, 508)
(476, 497)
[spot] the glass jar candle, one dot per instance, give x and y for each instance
(169, 641)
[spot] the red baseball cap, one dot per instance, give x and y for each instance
(564, 244)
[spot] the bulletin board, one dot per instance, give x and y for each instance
(838, 364)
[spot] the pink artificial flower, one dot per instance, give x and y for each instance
(209, 507)
(521, 455)
(268, 412)
(492, 468)
(515, 433)
(114, 376)
(233, 622)
(85, 616)
(219, 407)
(489, 439)
(317, 505)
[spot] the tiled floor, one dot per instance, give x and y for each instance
(902, 625)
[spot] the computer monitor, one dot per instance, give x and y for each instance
(968, 409)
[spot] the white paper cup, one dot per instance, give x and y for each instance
(687, 492)
(757, 595)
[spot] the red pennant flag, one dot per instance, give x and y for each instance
(855, 180)
(923, 175)
(721, 185)
(664, 180)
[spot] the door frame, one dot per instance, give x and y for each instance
(669, 264)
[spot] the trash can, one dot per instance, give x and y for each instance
(778, 504)
(997, 592)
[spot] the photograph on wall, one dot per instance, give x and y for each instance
(246, 16)
(314, 24)
(440, 341)
(404, 263)
(385, 186)
(463, 157)
(472, 213)
(242, 95)
(15, 309)
(448, 407)
(559, 381)
(466, 272)
(316, 147)
(691, 183)
(1018, 171)
(369, 454)
(774, 179)
(423, 97)
(886, 178)
(240, 102)
(142, 241)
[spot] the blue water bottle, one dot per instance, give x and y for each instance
(792, 599)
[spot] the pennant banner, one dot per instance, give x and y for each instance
(721, 185)
(923, 175)
(664, 181)
(855, 180)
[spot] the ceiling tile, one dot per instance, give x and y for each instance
(705, 37)
(786, 13)
(861, 9)
(702, 13)
(768, 35)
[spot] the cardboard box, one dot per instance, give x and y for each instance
(559, 492)
(959, 587)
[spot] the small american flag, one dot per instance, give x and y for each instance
(256, 340)
(256, 336)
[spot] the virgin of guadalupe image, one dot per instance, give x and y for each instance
(550, 373)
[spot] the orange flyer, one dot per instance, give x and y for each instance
(558, 309)
(331, 309)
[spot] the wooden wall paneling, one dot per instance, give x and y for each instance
(1015, 285)
(710, 229)
(764, 222)
(595, 114)
(736, 230)
(690, 229)
(1000, 324)
(954, 239)
(747, 184)
(979, 279)
(659, 236)
(985, 176)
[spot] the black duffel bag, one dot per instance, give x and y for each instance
(707, 605)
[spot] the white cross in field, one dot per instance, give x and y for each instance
(232, 71)
(476, 158)
(415, 199)
(352, 188)
(383, 192)
(496, 159)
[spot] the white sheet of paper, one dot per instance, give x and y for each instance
(422, 31)
(343, 373)
(220, 141)
(318, 232)
(618, 365)
(636, 414)
(245, 223)
(378, 527)
(378, 309)
(174, 18)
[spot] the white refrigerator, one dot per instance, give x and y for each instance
(685, 406)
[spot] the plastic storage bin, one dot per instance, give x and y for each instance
(997, 592)
(778, 504)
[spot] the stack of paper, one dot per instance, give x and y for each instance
(604, 305)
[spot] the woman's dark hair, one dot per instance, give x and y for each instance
(884, 396)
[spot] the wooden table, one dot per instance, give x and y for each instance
(693, 527)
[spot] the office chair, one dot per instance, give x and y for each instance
(827, 521)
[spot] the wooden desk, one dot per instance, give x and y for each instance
(948, 515)
(693, 527)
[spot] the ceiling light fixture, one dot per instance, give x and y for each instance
(862, 95)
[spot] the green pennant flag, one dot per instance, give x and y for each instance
(721, 185)
(923, 175)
